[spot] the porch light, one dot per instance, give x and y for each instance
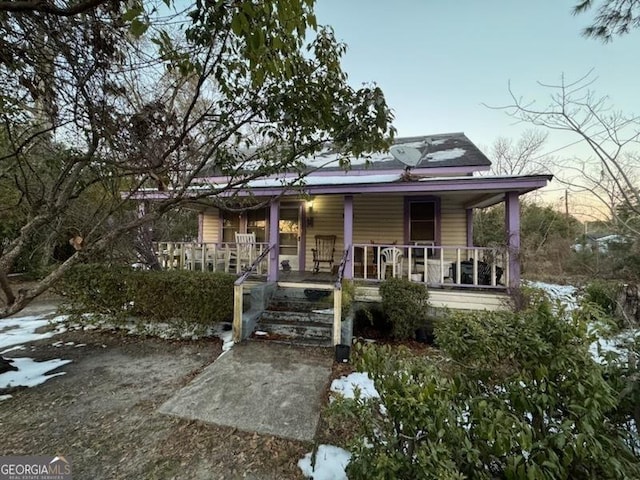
(310, 206)
(309, 213)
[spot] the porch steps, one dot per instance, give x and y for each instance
(295, 317)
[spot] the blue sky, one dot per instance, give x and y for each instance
(438, 60)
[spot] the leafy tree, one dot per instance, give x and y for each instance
(99, 98)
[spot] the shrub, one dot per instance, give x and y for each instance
(203, 298)
(603, 294)
(516, 396)
(405, 303)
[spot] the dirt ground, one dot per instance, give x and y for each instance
(103, 415)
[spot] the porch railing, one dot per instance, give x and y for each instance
(484, 267)
(213, 257)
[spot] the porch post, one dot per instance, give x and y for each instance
(469, 227)
(512, 223)
(200, 227)
(274, 239)
(348, 234)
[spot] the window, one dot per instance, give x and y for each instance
(257, 223)
(251, 221)
(422, 222)
(230, 225)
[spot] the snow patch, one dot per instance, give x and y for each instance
(566, 294)
(30, 373)
(5, 397)
(20, 330)
(346, 386)
(443, 155)
(326, 311)
(330, 463)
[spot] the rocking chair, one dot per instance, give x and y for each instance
(324, 251)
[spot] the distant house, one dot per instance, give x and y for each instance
(598, 242)
(406, 213)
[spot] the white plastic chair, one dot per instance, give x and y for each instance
(391, 257)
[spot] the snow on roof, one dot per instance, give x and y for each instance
(443, 155)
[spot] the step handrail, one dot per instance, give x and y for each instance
(337, 299)
(243, 278)
(238, 293)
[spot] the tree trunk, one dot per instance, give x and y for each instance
(628, 305)
(6, 288)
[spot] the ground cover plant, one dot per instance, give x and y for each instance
(513, 395)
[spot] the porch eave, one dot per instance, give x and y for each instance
(520, 185)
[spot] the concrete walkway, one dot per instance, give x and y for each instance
(259, 387)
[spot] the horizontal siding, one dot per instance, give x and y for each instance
(327, 220)
(380, 219)
(211, 226)
(453, 225)
(453, 299)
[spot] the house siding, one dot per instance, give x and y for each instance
(211, 226)
(378, 218)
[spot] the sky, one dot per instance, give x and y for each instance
(439, 61)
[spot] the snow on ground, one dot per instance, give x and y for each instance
(329, 465)
(5, 397)
(222, 331)
(20, 330)
(346, 386)
(566, 294)
(14, 332)
(617, 344)
(30, 373)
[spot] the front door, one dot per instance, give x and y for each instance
(290, 232)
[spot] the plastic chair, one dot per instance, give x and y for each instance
(391, 257)
(324, 251)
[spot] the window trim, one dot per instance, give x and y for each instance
(408, 200)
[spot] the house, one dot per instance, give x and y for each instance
(408, 213)
(598, 242)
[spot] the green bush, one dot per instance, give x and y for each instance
(405, 303)
(603, 294)
(202, 298)
(516, 395)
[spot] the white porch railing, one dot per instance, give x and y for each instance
(482, 267)
(212, 257)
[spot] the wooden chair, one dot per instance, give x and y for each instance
(245, 252)
(324, 251)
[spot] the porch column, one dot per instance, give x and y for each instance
(512, 223)
(200, 227)
(348, 234)
(274, 239)
(469, 227)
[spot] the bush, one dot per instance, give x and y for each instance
(603, 294)
(405, 303)
(517, 395)
(202, 298)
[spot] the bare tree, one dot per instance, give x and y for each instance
(611, 137)
(521, 157)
